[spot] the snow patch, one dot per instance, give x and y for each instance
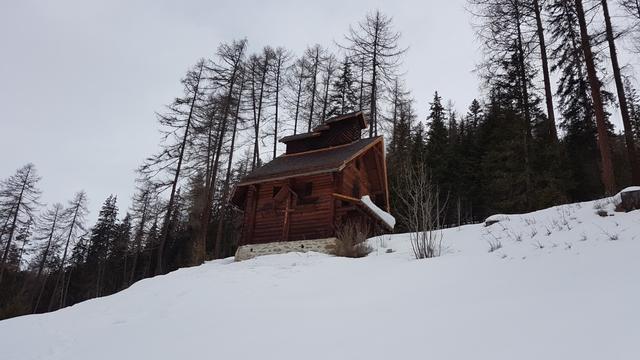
(383, 215)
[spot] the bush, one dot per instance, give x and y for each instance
(352, 240)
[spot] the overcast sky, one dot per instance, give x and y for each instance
(80, 80)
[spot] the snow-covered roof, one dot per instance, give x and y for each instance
(383, 215)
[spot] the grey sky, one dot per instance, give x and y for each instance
(80, 80)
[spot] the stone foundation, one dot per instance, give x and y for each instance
(326, 246)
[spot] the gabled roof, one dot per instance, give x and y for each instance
(359, 114)
(310, 162)
(318, 130)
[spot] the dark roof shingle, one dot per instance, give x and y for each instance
(323, 160)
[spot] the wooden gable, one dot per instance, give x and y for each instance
(336, 131)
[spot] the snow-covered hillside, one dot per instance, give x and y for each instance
(563, 283)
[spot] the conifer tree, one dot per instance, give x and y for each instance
(49, 235)
(296, 85)
(608, 178)
(437, 141)
(19, 196)
(328, 73)
(74, 224)
(622, 98)
(102, 239)
(177, 126)
(632, 9)
(313, 59)
(343, 98)
(228, 69)
(377, 44)
(633, 103)
(574, 101)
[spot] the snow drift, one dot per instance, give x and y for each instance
(560, 283)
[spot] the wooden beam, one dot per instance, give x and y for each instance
(345, 198)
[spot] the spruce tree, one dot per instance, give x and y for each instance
(343, 97)
(102, 241)
(437, 142)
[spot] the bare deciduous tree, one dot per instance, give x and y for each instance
(376, 43)
(19, 196)
(420, 209)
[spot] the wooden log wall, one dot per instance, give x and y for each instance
(264, 222)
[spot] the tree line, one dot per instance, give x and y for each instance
(529, 143)
(509, 152)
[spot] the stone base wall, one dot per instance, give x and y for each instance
(326, 246)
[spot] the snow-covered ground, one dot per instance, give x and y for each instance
(563, 283)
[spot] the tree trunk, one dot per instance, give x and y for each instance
(525, 104)
(622, 98)
(553, 132)
(225, 193)
(256, 143)
(298, 95)
(13, 225)
(275, 123)
(165, 226)
(202, 235)
(313, 88)
(64, 256)
(138, 240)
(325, 99)
(361, 83)
(603, 140)
(373, 129)
(44, 261)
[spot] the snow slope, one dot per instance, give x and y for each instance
(563, 285)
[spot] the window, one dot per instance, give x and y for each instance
(358, 164)
(356, 189)
(307, 189)
(304, 191)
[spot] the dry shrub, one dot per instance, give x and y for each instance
(421, 210)
(352, 240)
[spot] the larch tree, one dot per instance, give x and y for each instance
(217, 250)
(49, 226)
(261, 66)
(19, 196)
(280, 65)
(73, 226)
(548, 93)
(313, 59)
(608, 178)
(225, 74)
(398, 99)
(622, 98)
(177, 128)
(377, 44)
(327, 74)
(632, 9)
(141, 210)
(296, 83)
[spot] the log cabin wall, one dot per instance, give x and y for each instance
(355, 179)
(310, 215)
(313, 219)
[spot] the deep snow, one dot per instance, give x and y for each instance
(563, 285)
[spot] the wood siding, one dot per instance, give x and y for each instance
(264, 222)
